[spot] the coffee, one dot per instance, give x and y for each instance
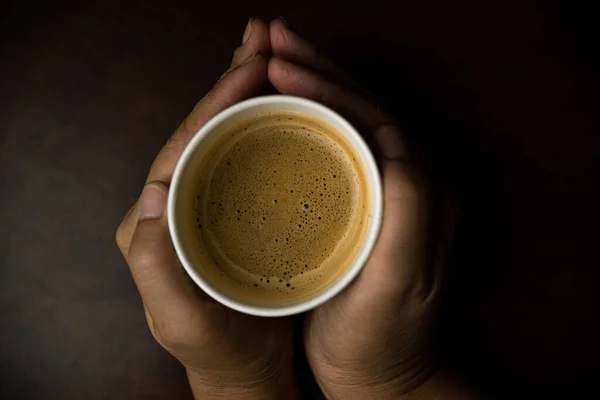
(282, 206)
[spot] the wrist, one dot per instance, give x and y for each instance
(364, 382)
(391, 390)
(258, 388)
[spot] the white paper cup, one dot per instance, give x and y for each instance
(185, 178)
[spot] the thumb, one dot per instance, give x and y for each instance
(162, 283)
(397, 263)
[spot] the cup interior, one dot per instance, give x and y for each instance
(182, 194)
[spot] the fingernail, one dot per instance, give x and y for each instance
(389, 138)
(154, 200)
(285, 23)
(247, 32)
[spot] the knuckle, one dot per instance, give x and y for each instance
(142, 258)
(122, 238)
(119, 237)
(284, 69)
(283, 38)
(411, 184)
(155, 334)
(169, 336)
(237, 56)
(406, 184)
(123, 234)
(187, 130)
(159, 337)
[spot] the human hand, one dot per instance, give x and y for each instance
(372, 340)
(226, 354)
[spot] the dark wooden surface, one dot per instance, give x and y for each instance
(500, 95)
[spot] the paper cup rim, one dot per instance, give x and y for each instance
(368, 242)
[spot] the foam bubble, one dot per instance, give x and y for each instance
(249, 209)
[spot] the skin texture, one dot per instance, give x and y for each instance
(371, 341)
(226, 354)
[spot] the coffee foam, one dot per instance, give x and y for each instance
(283, 207)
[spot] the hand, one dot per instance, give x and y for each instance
(226, 354)
(371, 341)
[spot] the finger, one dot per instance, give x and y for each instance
(398, 262)
(123, 235)
(290, 78)
(398, 253)
(246, 76)
(237, 84)
(163, 285)
(255, 38)
(289, 45)
(397, 265)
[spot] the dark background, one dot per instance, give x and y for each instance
(501, 96)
